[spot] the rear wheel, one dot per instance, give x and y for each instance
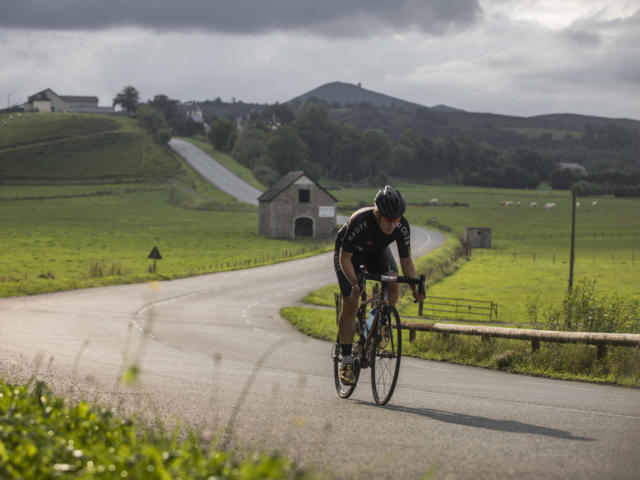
(385, 359)
(344, 390)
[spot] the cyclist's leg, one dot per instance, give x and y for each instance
(346, 322)
(383, 263)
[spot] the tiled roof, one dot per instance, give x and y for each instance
(283, 184)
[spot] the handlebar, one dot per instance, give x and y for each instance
(397, 279)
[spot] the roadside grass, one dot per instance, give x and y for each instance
(621, 365)
(41, 436)
(60, 244)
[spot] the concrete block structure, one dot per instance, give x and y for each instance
(295, 207)
(477, 237)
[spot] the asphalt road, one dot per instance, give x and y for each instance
(214, 353)
(215, 173)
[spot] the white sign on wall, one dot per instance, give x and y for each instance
(326, 212)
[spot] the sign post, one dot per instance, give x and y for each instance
(155, 254)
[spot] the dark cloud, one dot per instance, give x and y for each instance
(581, 37)
(325, 17)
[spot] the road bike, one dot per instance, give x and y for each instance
(378, 339)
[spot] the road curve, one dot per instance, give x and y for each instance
(213, 351)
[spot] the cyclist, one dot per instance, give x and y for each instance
(364, 240)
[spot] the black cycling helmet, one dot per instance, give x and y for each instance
(390, 202)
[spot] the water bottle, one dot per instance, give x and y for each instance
(369, 322)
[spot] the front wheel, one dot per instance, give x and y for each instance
(385, 358)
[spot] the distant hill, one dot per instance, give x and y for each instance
(343, 94)
(445, 108)
(348, 94)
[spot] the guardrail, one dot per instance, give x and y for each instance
(600, 340)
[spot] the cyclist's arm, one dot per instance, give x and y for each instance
(409, 270)
(347, 267)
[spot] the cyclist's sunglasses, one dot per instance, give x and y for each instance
(391, 220)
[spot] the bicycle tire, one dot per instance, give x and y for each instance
(344, 391)
(385, 356)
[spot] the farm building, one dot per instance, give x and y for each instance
(296, 206)
(49, 101)
(477, 237)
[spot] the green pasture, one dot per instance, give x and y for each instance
(68, 148)
(25, 129)
(529, 258)
(65, 243)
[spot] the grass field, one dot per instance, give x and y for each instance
(67, 148)
(77, 210)
(66, 243)
(529, 257)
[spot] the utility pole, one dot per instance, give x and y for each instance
(572, 256)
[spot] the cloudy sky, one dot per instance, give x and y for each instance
(518, 57)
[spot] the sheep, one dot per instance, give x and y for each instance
(549, 205)
(594, 203)
(433, 201)
(533, 204)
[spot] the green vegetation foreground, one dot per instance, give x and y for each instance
(43, 437)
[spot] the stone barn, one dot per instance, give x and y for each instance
(295, 207)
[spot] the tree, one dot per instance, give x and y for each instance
(285, 150)
(248, 145)
(376, 149)
(128, 99)
(348, 155)
(222, 134)
(318, 131)
(168, 107)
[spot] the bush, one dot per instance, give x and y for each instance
(584, 310)
(164, 136)
(626, 191)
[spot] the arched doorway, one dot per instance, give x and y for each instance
(303, 227)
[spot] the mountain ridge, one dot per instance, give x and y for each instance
(344, 94)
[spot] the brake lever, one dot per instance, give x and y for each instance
(421, 287)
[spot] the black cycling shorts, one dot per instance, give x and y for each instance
(375, 262)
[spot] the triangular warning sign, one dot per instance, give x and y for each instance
(155, 254)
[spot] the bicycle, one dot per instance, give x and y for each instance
(378, 345)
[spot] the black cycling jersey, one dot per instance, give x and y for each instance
(363, 234)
